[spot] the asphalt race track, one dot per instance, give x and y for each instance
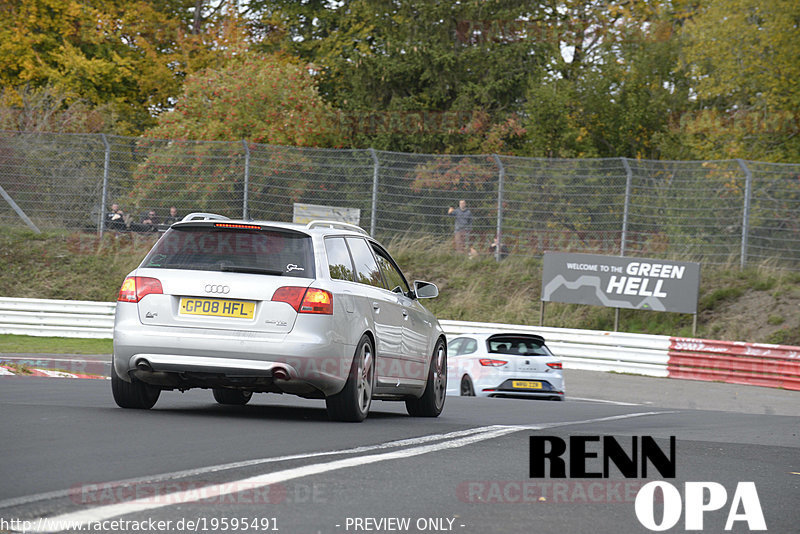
(71, 456)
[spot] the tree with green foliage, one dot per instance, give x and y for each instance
(264, 99)
(397, 59)
(46, 109)
(126, 57)
(743, 58)
(612, 82)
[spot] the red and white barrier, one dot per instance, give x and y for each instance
(6, 370)
(735, 362)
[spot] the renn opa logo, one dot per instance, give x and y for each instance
(586, 461)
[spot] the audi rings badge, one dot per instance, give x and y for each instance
(216, 288)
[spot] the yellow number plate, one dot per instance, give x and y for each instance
(525, 384)
(218, 308)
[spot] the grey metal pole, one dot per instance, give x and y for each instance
(18, 210)
(625, 211)
(374, 214)
(106, 162)
(500, 181)
(246, 178)
(748, 188)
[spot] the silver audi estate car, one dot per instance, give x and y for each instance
(241, 307)
(504, 365)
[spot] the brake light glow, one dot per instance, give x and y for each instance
(135, 288)
(554, 365)
(230, 225)
(486, 362)
(317, 301)
(311, 300)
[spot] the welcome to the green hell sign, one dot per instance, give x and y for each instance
(619, 282)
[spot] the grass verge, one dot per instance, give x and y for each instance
(10, 343)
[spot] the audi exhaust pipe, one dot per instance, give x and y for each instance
(144, 365)
(280, 373)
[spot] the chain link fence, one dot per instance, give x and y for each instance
(717, 212)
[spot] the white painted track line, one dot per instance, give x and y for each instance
(604, 401)
(467, 437)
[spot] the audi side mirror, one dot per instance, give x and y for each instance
(425, 290)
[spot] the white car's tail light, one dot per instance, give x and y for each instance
(486, 362)
(311, 300)
(135, 288)
(554, 365)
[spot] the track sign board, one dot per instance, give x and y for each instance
(621, 282)
(305, 213)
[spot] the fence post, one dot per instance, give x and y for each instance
(106, 161)
(500, 181)
(374, 214)
(748, 186)
(625, 209)
(624, 238)
(19, 211)
(246, 177)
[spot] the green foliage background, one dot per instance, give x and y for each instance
(657, 79)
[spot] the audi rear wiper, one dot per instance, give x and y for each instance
(245, 269)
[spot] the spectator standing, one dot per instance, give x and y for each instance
(463, 225)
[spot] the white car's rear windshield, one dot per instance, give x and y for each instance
(516, 345)
(267, 251)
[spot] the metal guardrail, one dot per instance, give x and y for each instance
(57, 318)
(661, 356)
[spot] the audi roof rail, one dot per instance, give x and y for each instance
(336, 224)
(201, 216)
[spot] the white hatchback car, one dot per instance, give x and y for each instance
(503, 365)
(241, 307)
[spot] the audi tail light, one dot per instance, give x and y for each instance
(486, 362)
(311, 300)
(554, 365)
(135, 288)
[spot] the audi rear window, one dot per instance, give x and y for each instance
(208, 248)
